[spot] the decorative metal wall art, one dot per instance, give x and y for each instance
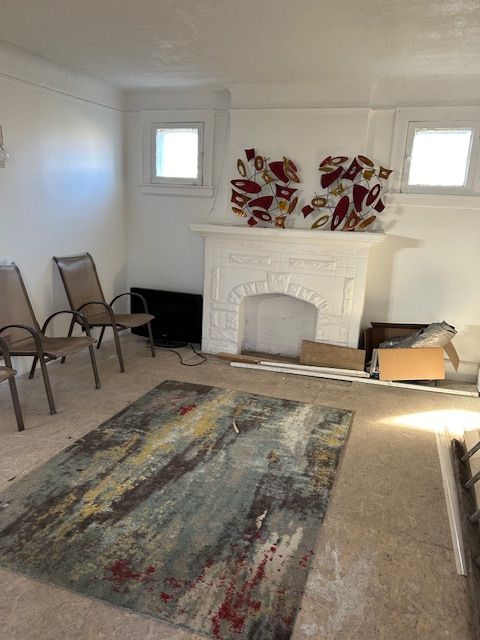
(352, 193)
(267, 192)
(264, 193)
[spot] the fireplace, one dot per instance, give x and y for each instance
(325, 269)
(276, 323)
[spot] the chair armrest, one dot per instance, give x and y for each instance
(102, 304)
(79, 317)
(4, 350)
(132, 294)
(36, 335)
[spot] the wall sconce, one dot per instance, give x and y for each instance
(3, 153)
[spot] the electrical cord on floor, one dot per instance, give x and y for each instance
(179, 355)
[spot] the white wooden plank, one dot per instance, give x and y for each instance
(305, 367)
(451, 498)
(315, 374)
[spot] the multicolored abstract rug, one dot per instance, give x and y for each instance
(197, 505)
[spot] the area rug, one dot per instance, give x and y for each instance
(197, 505)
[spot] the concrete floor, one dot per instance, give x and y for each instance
(383, 567)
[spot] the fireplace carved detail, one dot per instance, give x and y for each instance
(325, 269)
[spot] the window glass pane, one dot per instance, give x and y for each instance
(176, 153)
(440, 157)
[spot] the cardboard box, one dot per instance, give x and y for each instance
(422, 363)
(321, 354)
(426, 363)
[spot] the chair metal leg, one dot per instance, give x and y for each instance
(70, 331)
(473, 480)
(34, 366)
(16, 404)
(118, 348)
(94, 367)
(99, 341)
(150, 337)
(48, 388)
(470, 453)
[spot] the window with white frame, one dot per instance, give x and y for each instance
(178, 152)
(437, 154)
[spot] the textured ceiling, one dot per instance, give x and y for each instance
(163, 43)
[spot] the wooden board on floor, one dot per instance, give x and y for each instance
(322, 354)
(262, 355)
(238, 357)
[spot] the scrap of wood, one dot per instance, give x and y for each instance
(261, 518)
(237, 357)
(234, 425)
(333, 356)
(275, 357)
(239, 409)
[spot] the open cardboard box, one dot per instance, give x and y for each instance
(422, 363)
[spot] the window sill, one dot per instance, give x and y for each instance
(433, 200)
(197, 191)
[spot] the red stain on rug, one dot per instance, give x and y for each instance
(304, 560)
(121, 573)
(186, 409)
(239, 602)
(173, 582)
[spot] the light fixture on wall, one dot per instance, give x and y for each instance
(3, 153)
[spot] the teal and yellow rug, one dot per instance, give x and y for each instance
(197, 505)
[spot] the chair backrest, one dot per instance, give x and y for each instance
(15, 306)
(80, 279)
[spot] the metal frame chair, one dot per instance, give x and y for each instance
(85, 294)
(26, 338)
(8, 373)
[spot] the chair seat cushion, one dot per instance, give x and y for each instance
(123, 320)
(6, 373)
(53, 347)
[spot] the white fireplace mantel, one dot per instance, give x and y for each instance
(228, 231)
(324, 268)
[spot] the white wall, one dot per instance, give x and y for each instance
(162, 251)
(426, 271)
(62, 190)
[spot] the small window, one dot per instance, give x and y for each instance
(177, 153)
(440, 158)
